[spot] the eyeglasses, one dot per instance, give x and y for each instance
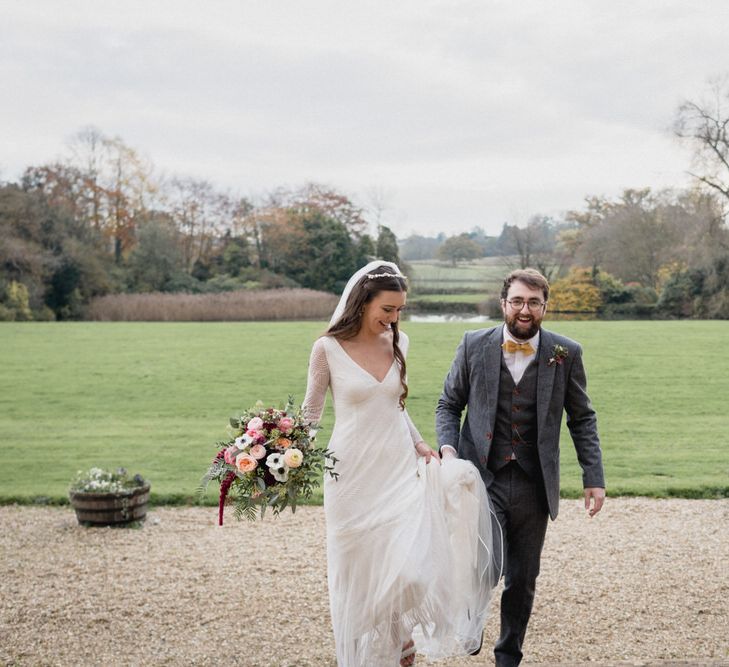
(517, 303)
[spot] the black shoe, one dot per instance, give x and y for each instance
(478, 650)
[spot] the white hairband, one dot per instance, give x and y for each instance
(372, 276)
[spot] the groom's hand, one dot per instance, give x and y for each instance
(594, 499)
(448, 452)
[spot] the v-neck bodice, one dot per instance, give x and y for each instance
(360, 367)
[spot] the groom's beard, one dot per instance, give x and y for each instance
(523, 330)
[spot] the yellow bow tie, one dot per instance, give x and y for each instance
(511, 346)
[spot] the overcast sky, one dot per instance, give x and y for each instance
(455, 114)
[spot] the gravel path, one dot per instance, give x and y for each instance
(644, 583)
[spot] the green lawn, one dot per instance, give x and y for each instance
(451, 298)
(155, 397)
(484, 274)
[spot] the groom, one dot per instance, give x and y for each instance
(514, 381)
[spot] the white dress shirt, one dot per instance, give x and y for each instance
(518, 361)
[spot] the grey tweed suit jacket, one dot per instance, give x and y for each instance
(473, 384)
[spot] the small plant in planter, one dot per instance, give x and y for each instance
(102, 498)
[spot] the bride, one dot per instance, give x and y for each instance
(409, 547)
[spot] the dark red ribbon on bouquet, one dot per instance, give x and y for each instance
(224, 488)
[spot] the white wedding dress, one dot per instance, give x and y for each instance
(409, 546)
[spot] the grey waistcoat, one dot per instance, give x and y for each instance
(515, 432)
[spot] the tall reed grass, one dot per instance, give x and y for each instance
(241, 305)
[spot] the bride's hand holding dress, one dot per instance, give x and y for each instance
(423, 449)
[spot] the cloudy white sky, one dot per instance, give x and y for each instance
(455, 113)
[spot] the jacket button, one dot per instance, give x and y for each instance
(489, 436)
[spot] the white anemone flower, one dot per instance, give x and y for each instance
(243, 441)
(278, 467)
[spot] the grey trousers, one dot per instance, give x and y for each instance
(520, 505)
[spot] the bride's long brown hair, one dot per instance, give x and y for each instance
(349, 324)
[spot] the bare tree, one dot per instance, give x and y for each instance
(116, 185)
(377, 203)
(202, 214)
(536, 245)
(704, 125)
(87, 151)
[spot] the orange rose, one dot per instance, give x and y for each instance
(284, 442)
(245, 463)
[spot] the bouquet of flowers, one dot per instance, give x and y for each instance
(270, 461)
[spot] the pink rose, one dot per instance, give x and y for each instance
(245, 463)
(230, 454)
(285, 424)
(258, 452)
(255, 424)
(254, 435)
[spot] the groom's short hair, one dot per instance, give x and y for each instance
(530, 277)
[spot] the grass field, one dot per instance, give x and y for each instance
(452, 298)
(485, 274)
(155, 397)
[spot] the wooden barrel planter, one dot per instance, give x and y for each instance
(106, 509)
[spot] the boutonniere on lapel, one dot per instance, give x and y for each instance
(559, 354)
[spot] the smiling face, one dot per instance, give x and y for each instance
(382, 310)
(523, 323)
